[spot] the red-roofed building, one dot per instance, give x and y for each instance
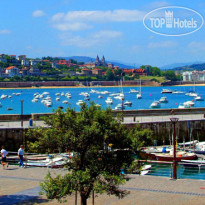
(86, 71)
(12, 71)
(97, 71)
(141, 72)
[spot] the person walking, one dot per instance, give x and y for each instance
(20, 155)
(4, 153)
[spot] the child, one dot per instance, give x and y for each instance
(4, 153)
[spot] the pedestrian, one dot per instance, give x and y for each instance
(20, 155)
(4, 153)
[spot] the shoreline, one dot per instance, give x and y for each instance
(55, 87)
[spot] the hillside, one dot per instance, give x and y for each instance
(86, 59)
(179, 65)
(200, 67)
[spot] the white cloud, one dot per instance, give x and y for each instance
(63, 20)
(72, 26)
(100, 16)
(5, 31)
(94, 39)
(163, 44)
(38, 13)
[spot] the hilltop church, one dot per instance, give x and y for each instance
(98, 62)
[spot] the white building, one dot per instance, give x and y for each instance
(12, 71)
(25, 62)
(197, 76)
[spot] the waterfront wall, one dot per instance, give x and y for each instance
(162, 132)
(127, 113)
(194, 129)
(74, 83)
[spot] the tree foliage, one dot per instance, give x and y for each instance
(88, 134)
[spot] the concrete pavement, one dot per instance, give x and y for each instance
(21, 186)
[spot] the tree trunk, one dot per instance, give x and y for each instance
(83, 200)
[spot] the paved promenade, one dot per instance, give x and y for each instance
(21, 186)
(127, 120)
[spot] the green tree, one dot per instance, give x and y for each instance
(154, 71)
(89, 134)
(140, 138)
(109, 75)
(170, 75)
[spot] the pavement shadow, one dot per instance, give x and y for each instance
(21, 199)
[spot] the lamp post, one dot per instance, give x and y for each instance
(174, 120)
(22, 113)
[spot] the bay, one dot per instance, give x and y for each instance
(149, 94)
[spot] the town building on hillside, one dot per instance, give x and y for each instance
(34, 71)
(97, 62)
(197, 76)
(86, 72)
(141, 72)
(34, 62)
(13, 56)
(22, 57)
(25, 62)
(97, 71)
(24, 72)
(12, 71)
(2, 58)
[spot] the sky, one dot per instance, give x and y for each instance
(113, 28)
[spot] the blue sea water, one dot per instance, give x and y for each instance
(165, 170)
(149, 94)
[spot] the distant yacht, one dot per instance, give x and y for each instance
(163, 100)
(133, 91)
(199, 98)
(166, 91)
(155, 104)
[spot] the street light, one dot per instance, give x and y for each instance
(22, 113)
(174, 120)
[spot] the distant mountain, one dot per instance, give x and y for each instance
(198, 66)
(86, 59)
(178, 65)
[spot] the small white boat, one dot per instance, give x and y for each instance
(45, 93)
(109, 100)
(3, 97)
(57, 94)
(155, 104)
(128, 103)
(119, 107)
(177, 92)
(62, 94)
(9, 96)
(48, 103)
(139, 96)
(121, 96)
(163, 100)
(191, 94)
(65, 102)
(166, 91)
(80, 102)
(57, 99)
(199, 98)
(191, 103)
(17, 94)
(142, 173)
(100, 96)
(182, 105)
(146, 167)
(35, 100)
(133, 91)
